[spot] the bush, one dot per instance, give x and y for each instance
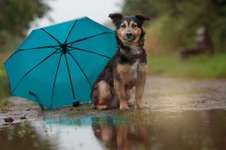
(175, 22)
(4, 89)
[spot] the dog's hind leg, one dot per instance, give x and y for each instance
(139, 91)
(101, 95)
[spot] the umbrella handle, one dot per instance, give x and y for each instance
(75, 104)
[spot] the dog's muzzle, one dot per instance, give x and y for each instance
(129, 36)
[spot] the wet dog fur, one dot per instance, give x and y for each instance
(127, 69)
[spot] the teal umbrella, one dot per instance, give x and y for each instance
(57, 65)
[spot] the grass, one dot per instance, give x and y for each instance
(4, 90)
(164, 41)
(203, 66)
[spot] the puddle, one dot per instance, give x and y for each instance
(201, 130)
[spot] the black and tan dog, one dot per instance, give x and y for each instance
(127, 69)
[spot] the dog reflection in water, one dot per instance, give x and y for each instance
(122, 136)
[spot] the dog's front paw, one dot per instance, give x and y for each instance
(124, 105)
(101, 107)
(139, 106)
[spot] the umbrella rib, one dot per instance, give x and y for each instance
(69, 74)
(89, 37)
(80, 68)
(27, 49)
(88, 51)
(41, 47)
(70, 31)
(51, 36)
(29, 71)
(55, 77)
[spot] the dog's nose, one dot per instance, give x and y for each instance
(129, 35)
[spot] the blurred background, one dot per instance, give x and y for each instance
(183, 39)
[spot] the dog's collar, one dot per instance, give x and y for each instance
(134, 56)
(123, 56)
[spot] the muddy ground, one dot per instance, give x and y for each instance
(161, 94)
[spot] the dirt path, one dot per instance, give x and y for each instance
(161, 94)
(169, 94)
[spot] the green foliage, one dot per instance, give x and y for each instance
(16, 16)
(139, 6)
(4, 90)
(197, 67)
(179, 19)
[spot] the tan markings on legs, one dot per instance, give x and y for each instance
(142, 73)
(123, 95)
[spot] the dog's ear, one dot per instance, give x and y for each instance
(142, 18)
(115, 17)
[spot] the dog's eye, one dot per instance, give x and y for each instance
(134, 25)
(123, 26)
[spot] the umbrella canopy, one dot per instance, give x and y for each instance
(57, 65)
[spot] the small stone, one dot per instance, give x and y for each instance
(23, 117)
(9, 119)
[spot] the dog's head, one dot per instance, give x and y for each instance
(129, 28)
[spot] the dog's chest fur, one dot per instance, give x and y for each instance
(128, 63)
